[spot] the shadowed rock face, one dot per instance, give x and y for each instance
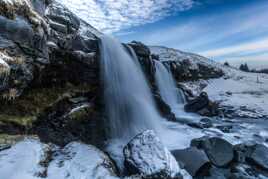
(194, 160)
(219, 151)
(45, 51)
(37, 37)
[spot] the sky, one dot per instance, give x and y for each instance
(224, 30)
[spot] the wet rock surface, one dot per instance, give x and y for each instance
(203, 106)
(219, 151)
(195, 161)
(147, 156)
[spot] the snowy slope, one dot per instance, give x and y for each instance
(169, 54)
(245, 94)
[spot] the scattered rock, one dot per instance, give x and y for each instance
(203, 106)
(146, 155)
(219, 151)
(195, 161)
(219, 173)
(243, 151)
(259, 156)
(206, 122)
(225, 128)
(203, 123)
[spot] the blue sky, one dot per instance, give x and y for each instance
(226, 30)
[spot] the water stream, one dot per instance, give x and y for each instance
(129, 104)
(169, 92)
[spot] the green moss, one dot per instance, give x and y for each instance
(25, 121)
(25, 109)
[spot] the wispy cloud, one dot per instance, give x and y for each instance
(114, 15)
(252, 47)
(210, 31)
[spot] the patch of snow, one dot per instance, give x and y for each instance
(22, 160)
(245, 92)
(76, 161)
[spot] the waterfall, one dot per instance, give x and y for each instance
(172, 96)
(167, 86)
(129, 104)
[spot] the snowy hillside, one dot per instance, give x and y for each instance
(239, 93)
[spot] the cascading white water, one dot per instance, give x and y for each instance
(167, 86)
(172, 96)
(129, 103)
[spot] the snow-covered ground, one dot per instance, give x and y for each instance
(246, 93)
(27, 160)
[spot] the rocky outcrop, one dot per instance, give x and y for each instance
(147, 156)
(203, 106)
(214, 157)
(60, 54)
(56, 39)
(219, 151)
(195, 161)
(144, 56)
(252, 153)
(164, 108)
(74, 117)
(186, 66)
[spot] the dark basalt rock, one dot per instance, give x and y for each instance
(57, 43)
(144, 56)
(164, 108)
(219, 151)
(203, 123)
(147, 156)
(259, 156)
(243, 151)
(198, 103)
(195, 161)
(140, 49)
(203, 106)
(206, 122)
(73, 117)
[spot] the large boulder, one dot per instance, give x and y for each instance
(259, 156)
(147, 156)
(203, 106)
(219, 151)
(195, 161)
